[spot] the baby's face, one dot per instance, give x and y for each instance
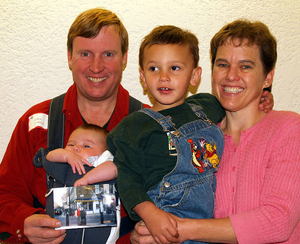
(86, 143)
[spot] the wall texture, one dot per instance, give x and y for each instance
(33, 63)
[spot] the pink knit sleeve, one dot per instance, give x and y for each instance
(278, 215)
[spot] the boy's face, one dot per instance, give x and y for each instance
(86, 143)
(167, 72)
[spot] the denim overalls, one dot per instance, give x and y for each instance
(188, 191)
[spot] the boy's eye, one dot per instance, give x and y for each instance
(175, 68)
(153, 68)
(86, 146)
(70, 145)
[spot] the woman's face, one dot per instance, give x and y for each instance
(238, 77)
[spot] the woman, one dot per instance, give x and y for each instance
(258, 197)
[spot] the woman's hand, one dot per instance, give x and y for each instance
(141, 234)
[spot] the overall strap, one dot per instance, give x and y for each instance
(134, 105)
(56, 123)
(199, 112)
(164, 121)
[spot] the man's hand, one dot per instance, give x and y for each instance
(266, 102)
(40, 228)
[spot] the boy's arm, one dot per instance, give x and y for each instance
(215, 112)
(65, 156)
(162, 225)
(103, 172)
(266, 102)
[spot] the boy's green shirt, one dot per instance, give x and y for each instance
(140, 148)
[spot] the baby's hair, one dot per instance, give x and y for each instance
(93, 127)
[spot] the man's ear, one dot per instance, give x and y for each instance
(70, 60)
(269, 79)
(142, 77)
(196, 76)
(124, 61)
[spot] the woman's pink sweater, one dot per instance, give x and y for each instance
(258, 182)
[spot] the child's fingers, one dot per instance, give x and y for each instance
(73, 168)
(81, 167)
(87, 163)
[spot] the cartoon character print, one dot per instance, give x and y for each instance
(197, 156)
(211, 155)
(205, 156)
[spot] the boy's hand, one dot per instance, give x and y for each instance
(266, 102)
(77, 162)
(162, 225)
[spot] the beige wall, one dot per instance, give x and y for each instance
(33, 64)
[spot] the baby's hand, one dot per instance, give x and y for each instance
(81, 182)
(77, 163)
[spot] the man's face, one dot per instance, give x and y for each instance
(97, 64)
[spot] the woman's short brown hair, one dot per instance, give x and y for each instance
(254, 33)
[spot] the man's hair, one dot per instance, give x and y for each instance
(89, 23)
(243, 31)
(169, 34)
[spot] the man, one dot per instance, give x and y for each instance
(97, 54)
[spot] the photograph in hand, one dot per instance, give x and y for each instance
(85, 206)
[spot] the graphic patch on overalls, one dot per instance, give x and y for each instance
(205, 156)
(172, 148)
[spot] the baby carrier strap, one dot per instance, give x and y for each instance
(134, 105)
(56, 123)
(56, 120)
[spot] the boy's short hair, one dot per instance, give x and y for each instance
(170, 34)
(253, 33)
(89, 23)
